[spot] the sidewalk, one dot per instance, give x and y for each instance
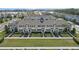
(38, 48)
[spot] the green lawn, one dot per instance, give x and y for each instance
(77, 35)
(16, 35)
(47, 34)
(2, 33)
(4, 20)
(36, 34)
(37, 43)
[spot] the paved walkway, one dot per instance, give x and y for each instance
(38, 38)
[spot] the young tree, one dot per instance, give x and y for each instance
(73, 31)
(6, 29)
(9, 16)
(1, 20)
(65, 30)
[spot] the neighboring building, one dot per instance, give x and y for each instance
(39, 23)
(6, 14)
(72, 18)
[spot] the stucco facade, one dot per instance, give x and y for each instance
(41, 23)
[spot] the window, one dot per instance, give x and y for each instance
(39, 25)
(47, 29)
(31, 26)
(20, 25)
(49, 25)
(32, 19)
(43, 25)
(34, 25)
(34, 30)
(20, 30)
(46, 19)
(38, 29)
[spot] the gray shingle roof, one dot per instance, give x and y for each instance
(47, 20)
